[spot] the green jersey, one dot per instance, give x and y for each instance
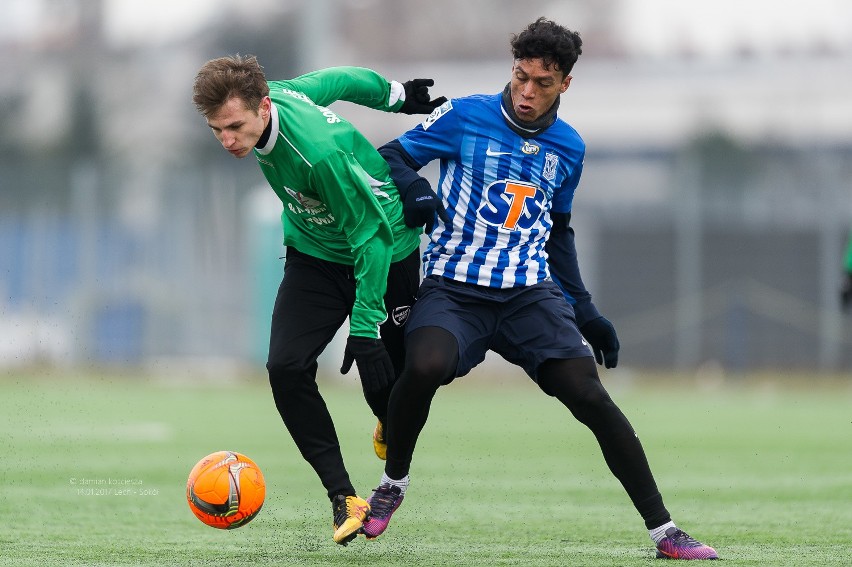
(340, 203)
(848, 263)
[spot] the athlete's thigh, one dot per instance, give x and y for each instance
(540, 325)
(431, 357)
(460, 309)
(403, 281)
(313, 302)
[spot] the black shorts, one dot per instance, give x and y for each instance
(524, 325)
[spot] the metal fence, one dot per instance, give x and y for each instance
(690, 275)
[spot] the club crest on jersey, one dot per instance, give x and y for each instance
(530, 149)
(551, 161)
(400, 315)
(512, 205)
(437, 113)
(306, 202)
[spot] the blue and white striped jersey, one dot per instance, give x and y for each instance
(499, 190)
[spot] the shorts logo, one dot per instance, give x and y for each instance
(551, 161)
(400, 315)
(437, 113)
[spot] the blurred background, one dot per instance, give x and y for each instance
(712, 217)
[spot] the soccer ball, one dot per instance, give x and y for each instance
(225, 490)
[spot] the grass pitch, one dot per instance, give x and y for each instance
(94, 474)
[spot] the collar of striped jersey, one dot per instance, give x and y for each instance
(272, 127)
(518, 126)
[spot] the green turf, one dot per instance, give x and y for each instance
(502, 476)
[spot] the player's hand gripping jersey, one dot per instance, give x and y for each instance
(339, 201)
(500, 190)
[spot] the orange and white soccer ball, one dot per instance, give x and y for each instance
(225, 490)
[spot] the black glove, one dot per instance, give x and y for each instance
(374, 363)
(601, 335)
(420, 204)
(845, 292)
(417, 97)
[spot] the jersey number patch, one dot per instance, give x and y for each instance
(512, 204)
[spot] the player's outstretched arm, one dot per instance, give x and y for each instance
(364, 87)
(562, 260)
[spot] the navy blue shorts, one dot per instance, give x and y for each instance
(524, 325)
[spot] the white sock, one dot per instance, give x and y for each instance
(657, 534)
(402, 483)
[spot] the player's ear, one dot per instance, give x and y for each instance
(565, 82)
(265, 107)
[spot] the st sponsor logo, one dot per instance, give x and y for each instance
(512, 204)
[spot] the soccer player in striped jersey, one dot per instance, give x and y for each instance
(349, 252)
(501, 271)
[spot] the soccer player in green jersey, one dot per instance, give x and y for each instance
(349, 251)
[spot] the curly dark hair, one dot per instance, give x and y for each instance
(550, 42)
